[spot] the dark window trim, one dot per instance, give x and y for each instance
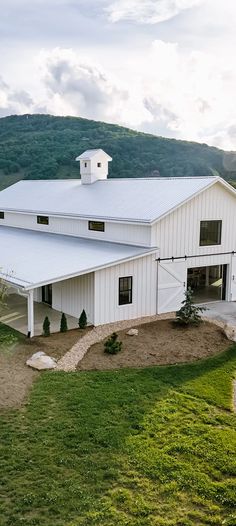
(129, 291)
(2, 215)
(43, 220)
(100, 226)
(219, 242)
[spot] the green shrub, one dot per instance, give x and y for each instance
(83, 320)
(46, 327)
(189, 314)
(112, 345)
(63, 325)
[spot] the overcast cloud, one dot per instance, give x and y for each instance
(162, 66)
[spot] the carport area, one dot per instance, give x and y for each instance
(32, 260)
(16, 316)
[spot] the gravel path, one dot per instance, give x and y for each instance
(71, 359)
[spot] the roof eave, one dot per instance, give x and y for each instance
(32, 286)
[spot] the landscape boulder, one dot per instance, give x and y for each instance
(132, 332)
(41, 361)
(230, 332)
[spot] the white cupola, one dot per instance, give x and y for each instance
(93, 166)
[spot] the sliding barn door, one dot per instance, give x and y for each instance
(171, 285)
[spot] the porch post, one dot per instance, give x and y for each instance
(30, 309)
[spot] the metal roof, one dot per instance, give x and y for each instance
(29, 259)
(131, 200)
(88, 154)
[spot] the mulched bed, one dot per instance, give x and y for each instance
(158, 343)
(16, 377)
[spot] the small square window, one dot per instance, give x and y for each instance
(42, 220)
(98, 226)
(99, 165)
(125, 290)
(210, 233)
(1, 215)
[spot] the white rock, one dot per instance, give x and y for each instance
(41, 361)
(230, 332)
(132, 332)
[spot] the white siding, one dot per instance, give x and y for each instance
(178, 233)
(73, 295)
(38, 295)
(144, 273)
(139, 235)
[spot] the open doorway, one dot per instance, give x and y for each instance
(208, 283)
(47, 294)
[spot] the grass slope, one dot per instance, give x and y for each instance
(43, 146)
(130, 447)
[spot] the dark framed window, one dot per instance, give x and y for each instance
(42, 220)
(85, 165)
(125, 290)
(99, 165)
(2, 215)
(99, 226)
(210, 233)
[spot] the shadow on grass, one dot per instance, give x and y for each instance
(82, 435)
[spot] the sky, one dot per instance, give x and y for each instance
(165, 67)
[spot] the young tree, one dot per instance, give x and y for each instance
(112, 345)
(63, 326)
(83, 320)
(46, 327)
(189, 314)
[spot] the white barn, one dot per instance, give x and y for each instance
(119, 248)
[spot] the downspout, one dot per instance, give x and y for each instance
(30, 310)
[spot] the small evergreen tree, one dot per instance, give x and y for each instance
(189, 314)
(63, 325)
(112, 345)
(46, 327)
(83, 320)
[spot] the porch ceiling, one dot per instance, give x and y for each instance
(29, 259)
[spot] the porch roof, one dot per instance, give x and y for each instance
(29, 259)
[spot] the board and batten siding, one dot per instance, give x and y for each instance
(178, 233)
(139, 235)
(106, 289)
(73, 295)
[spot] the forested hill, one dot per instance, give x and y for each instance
(43, 147)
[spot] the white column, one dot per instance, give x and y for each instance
(30, 308)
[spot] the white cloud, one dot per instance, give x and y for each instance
(193, 92)
(77, 86)
(148, 11)
(14, 101)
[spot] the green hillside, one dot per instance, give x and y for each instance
(43, 147)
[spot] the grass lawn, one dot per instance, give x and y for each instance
(9, 337)
(143, 447)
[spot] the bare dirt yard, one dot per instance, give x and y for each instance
(158, 343)
(15, 376)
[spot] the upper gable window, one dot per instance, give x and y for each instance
(2, 215)
(85, 165)
(210, 233)
(42, 220)
(99, 165)
(99, 226)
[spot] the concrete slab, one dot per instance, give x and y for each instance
(15, 315)
(223, 311)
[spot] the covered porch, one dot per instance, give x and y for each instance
(16, 316)
(31, 260)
